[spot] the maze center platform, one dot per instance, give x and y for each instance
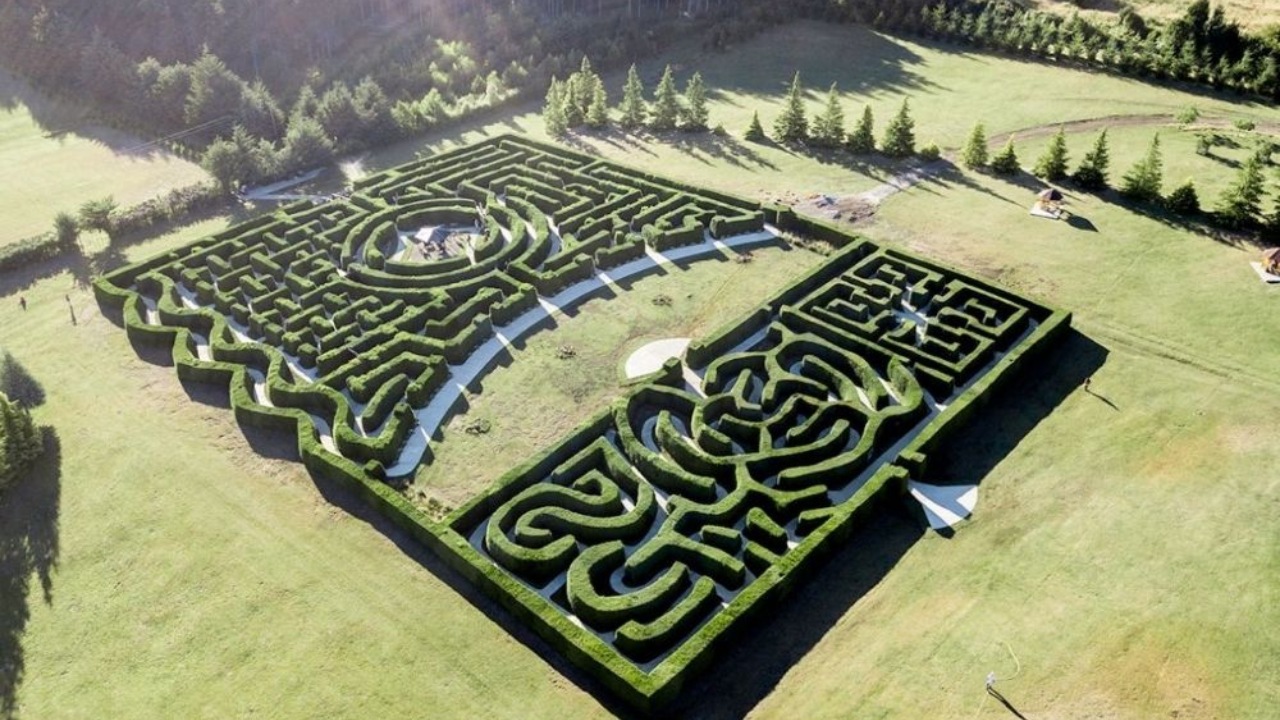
(642, 541)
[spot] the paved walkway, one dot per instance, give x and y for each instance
(649, 359)
(274, 190)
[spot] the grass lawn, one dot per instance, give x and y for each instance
(56, 159)
(539, 397)
(1124, 545)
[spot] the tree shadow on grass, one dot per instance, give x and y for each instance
(28, 547)
(18, 384)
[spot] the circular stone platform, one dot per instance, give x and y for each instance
(649, 358)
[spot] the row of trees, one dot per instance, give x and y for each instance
(583, 100)
(827, 129)
(1239, 206)
(1200, 46)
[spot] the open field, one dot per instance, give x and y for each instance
(1124, 545)
(55, 159)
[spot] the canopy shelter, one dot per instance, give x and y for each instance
(1271, 260)
(1048, 204)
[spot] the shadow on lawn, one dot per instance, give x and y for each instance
(752, 662)
(28, 547)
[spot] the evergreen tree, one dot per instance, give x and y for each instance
(1144, 179)
(666, 103)
(1052, 165)
(974, 155)
(306, 146)
(66, 229)
(1184, 200)
(792, 125)
(99, 215)
(598, 112)
(1092, 172)
(1005, 162)
(1240, 202)
(899, 134)
(553, 115)
(828, 128)
(633, 107)
(694, 114)
(755, 131)
(862, 140)
(21, 442)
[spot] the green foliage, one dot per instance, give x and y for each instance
(828, 128)
(792, 126)
(1183, 200)
(99, 214)
(65, 229)
(306, 146)
(862, 140)
(694, 114)
(974, 155)
(666, 103)
(1188, 115)
(553, 110)
(1005, 162)
(598, 112)
(1092, 172)
(1052, 165)
(634, 111)
(21, 442)
(755, 131)
(930, 152)
(899, 134)
(1240, 203)
(1143, 181)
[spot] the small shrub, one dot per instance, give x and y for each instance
(478, 427)
(1245, 125)
(1184, 200)
(662, 301)
(1188, 115)
(931, 152)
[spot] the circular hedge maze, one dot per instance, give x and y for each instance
(640, 542)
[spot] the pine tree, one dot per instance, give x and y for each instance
(1143, 181)
(553, 114)
(598, 112)
(694, 114)
(1005, 162)
(755, 131)
(899, 134)
(1183, 199)
(862, 140)
(633, 106)
(21, 442)
(1092, 173)
(792, 125)
(1240, 202)
(666, 103)
(1052, 165)
(975, 149)
(828, 128)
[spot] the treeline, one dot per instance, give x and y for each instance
(261, 90)
(582, 100)
(1201, 46)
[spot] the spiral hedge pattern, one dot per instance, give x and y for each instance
(670, 521)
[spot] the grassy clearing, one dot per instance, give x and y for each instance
(539, 397)
(56, 158)
(1123, 546)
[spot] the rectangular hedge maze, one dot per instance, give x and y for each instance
(643, 540)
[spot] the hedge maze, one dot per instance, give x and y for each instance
(644, 539)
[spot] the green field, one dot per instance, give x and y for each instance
(57, 158)
(1123, 547)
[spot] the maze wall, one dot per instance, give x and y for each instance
(355, 313)
(670, 521)
(667, 521)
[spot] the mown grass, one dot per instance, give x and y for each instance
(56, 158)
(1123, 546)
